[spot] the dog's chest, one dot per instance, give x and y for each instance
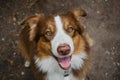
(60, 77)
(67, 78)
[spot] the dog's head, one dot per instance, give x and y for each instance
(57, 36)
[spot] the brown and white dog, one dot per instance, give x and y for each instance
(56, 46)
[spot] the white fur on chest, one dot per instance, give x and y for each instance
(67, 78)
(53, 70)
(57, 76)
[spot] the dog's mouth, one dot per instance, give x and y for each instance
(65, 63)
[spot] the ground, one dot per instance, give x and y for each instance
(102, 23)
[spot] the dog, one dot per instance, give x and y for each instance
(56, 46)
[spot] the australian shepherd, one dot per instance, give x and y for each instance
(57, 46)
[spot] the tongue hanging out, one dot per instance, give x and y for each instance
(65, 63)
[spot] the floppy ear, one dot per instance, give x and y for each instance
(32, 23)
(77, 13)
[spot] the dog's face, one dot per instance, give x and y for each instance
(57, 36)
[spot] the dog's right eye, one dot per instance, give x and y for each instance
(48, 32)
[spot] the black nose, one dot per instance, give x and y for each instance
(63, 49)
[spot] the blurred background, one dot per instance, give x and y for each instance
(102, 23)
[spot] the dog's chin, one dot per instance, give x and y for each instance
(65, 62)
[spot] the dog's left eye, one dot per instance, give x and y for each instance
(70, 29)
(48, 32)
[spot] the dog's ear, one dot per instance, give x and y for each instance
(77, 13)
(32, 23)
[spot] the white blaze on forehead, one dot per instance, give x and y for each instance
(60, 38)
(59, 24)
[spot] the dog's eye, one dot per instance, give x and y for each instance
(70, 29)
(48, 32)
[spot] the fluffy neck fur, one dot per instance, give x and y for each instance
(54, 72)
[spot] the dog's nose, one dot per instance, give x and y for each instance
(63, 49)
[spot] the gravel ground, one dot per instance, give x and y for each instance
(102, 23)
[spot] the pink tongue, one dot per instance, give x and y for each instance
(64, 62)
